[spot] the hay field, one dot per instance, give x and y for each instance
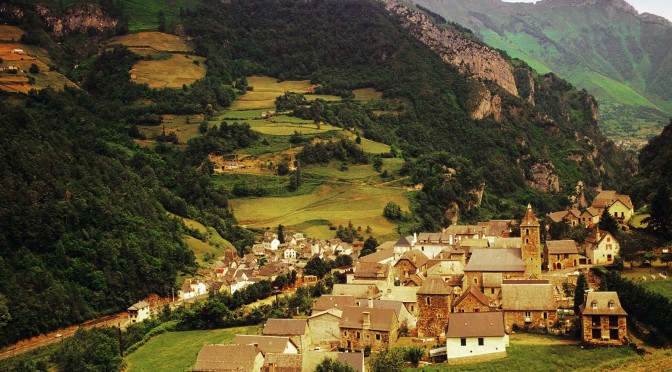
(367, 94)
(10, 33)
(265, 89)
(330, 203)
(154, 41)
(177, 124)
(288, 128)
(169, 73)
(33, 54)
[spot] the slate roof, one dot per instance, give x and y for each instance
(593, 211)
(562, 247)
(414, 256)
(506, 243)
(498, 228)
(381, 255)
(529, 219)
(139, 305)
(557, 216)
(404, 242)
(283, 362)
(356, 290)
(396, 306)
(485, 324)
(497, 260)
(435, 285)
(476, 293)
(602, 300)
(606, 198)
(226, 358)
(403, 294)
(527, 297)
(446, 267)
(267, 344)
(285, 327)
(371, 270)
(492, 280)
(381, 319)
(335, 312)
(354, 360)
(595, 236)
(329, 302)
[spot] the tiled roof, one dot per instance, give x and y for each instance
(356, 290)
(529, 219)
(371, 270)
(283, 362)
(354, 360)
(139, 305)
(414, 256)
(285, 327)
(557, 216)
(562, 247)
(226, 358)
(476, 293)
(435, 285)
(497, 260)
(381, 319)
(267, 344)
(329, 302)
(602, 300)
(492, 280)
(381, 255)
(526, 297)
(485, 324)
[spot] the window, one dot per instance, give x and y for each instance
(428, 301)
(357, 335)
(475, 280)
(463, 342)
(345, 333)
(622, 214)
(476, 309)
(528, 316)
(611, 305)
(492, 290)
(378, 336)
(545, 315)
(527, 240)
(480, 341)
(608, 239)
(566, 256)
(593, 304)
(412, 308)
(527, 232)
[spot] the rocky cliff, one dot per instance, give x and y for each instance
(467, 55)
(84, 18)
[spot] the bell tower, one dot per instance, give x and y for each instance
(530, 247)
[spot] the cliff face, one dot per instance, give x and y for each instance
(465, 54)
(77, 20)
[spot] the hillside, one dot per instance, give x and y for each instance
(94, 170)
(621, 57)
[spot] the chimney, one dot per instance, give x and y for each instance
(415, 238)
(450, 239)
(389, 293)
(597, 235)
(369, 302)
(367, 320)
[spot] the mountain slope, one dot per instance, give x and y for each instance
(604, 46)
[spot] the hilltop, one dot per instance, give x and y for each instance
(606, 47)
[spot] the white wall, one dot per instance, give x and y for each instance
(490, 345)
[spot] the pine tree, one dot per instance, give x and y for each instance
(281, 234)
(579, 292)
(608, 222)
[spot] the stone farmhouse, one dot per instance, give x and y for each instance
(368, 326)
(561, 254)
(528, 303)
(603, 320)
(296, 329)
(472, 301)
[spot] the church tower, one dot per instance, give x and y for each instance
(530, 247)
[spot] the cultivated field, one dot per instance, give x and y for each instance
(174, 72)
(184, 126)
(266, 89)
(330, 203)
(280, 128)
(20, 82)
(10, 33)
(367, 94)
(177, 351)
(152, 42)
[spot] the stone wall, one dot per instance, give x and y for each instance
(604, 327)
(471, 305)
(366, 337)
(433, 315)
(536, 319)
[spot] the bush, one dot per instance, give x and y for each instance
(34, 69)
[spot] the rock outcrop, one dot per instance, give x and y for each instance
(543, 177)
(79, 19)
(11, 11)
(489, 105)
(467, 55)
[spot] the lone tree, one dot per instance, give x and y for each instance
(34, 69)
(281, 233)
(579, 292)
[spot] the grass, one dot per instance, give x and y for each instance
(177, 351)
(184, 126)
(538, 355)
(174, 72)
(367, 94)
(336, 203)
(10, 33)
(275, 185)
(663, 287)
(288, 128)
(264, 91)
(360, 172)
(157, 41)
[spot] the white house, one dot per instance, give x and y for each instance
(138, 312)
(476, 334)
(289, 254)
(191, 289)
(601, 247)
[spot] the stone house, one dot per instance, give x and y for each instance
(407, 295)
(296, 329)
(603, 320)
(620, 206)
(358, 291)
(374, 273)
(528, 303)
(368, 326)
(561, 254)
(324, 328)
(404, 317)
(139, 312)
(434, 303)
(601, 247)
(591, 216)
(277, 362)
(472, 301)
(572, 217)
(475, 335)
(504, 262)
(411, 263)
(247, 358)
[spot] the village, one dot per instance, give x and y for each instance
(457, 294)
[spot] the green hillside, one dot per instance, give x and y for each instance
(622, 59)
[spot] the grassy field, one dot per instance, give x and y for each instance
(177, 351)
(275, 185)
(177, 124)
(360, 172)
(367, 94)
(33, 54)
(10, 33)
(330, 203)
(279, 128)
(174, 72)
(156, 41)
(264, 91)
(663, 287)
(543, 353)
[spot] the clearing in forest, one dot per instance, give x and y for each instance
(15, 75)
